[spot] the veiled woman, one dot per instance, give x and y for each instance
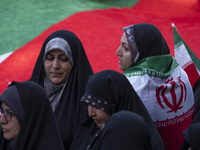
(62, 68)
(27, 119)
(109, 92)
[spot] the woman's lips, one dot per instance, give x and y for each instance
(4, 130)
(56, 74)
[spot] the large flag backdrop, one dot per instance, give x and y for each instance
(100, 30)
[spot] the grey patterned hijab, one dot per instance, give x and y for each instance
(145, 40)
(129, 31)
(61, 44)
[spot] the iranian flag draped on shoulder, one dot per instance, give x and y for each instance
(165, 90)
(159, 80)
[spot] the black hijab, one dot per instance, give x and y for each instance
(38, 129)
(124, 130)
(69, 110)
(113, 87)
(148, 40)
(192, 134)
(195, 122)
(196, 90)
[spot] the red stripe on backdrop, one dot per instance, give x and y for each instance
(100, 32)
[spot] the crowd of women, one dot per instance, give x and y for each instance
(65, 106)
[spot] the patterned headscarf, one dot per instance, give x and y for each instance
(99, 92)
(99, 103)
(129, 31)
(54, 91)
(61, 44)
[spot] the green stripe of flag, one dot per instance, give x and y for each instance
(178, 40)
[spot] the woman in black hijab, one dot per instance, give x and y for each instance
(111, 92)
(25, 109)
(64, 92)
(124, 130)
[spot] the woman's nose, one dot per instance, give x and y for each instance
(91, 111)
(56, 64)
(118, 52)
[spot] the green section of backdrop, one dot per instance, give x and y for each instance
(23, 20)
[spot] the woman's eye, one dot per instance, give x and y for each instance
(64, 58)
(8, 114)
(49, 57)
(126, 48)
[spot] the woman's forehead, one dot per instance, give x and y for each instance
(56, 51)
(124, 38)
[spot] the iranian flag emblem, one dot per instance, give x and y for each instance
(167, 94)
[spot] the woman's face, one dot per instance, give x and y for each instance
(57, 66)
(98, 115)
(11, 127)
(124, 53)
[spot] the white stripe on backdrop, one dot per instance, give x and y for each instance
(4, 56)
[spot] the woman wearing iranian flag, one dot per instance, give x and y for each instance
(161, 83)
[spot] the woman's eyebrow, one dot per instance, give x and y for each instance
(49, 54)
(124, 43)
(62, 54)
(52, 54)
(8, 110)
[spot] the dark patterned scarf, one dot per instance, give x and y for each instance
(54, 91)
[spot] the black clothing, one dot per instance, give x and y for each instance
(155, 43)
(69, 111)
(113, 87)
(196, 90)
(38, 128)
(195, 123)
(192, 134)
(124, 131)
